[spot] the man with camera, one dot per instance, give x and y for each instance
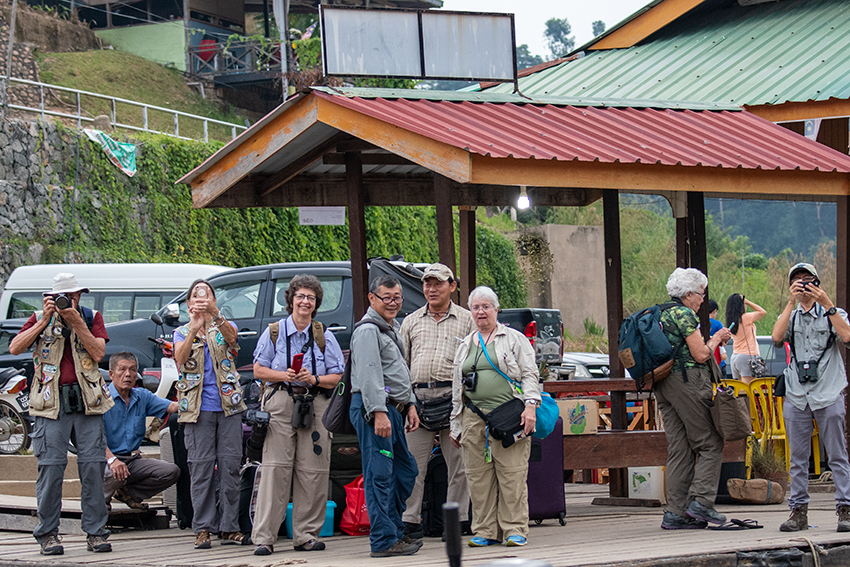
(431, 335)
(814, 389)
(127, 476)
(382, 406)
(68, 397)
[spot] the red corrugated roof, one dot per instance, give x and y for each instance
(709, 138)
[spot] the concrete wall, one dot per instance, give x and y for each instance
(161, 43)
(577, 283)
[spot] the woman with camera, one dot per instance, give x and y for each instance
(300, 363)
(209, 404)
(745, 348)
(694, 447)
(495, 377)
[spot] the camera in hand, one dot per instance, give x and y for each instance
(62, 301)
(815, 282)
(470, 381)
(807, 371)
(259, 422)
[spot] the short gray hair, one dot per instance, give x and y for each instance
(684, 280)
(486, 293)
(386, 281)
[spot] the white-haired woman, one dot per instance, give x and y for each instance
(502, 362)
(694, 448)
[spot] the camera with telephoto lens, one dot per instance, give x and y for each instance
(62, 301)
(470, 381)
(807, 371)
(259, 422)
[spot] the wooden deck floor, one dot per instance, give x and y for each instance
(594, 535)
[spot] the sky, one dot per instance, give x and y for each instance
(531, 15)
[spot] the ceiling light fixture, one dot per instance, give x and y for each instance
(522, 202)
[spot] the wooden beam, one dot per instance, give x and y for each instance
(618, 485)
(698, 250)
(796, 111)
(683, 252)
(637, 176)
(445, 221)
(467, 254)
(585, 386)
(356, 145)
(646, 24)
(247, 156)
(433, 155)
(368, 159)
(357, 233)
(277, 180)
(622, 449)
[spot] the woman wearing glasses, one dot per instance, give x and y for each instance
(694, 447)
(494, 365)
(300, 363)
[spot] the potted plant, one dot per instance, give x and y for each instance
(764, 463)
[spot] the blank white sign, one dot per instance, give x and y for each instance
(321, 216)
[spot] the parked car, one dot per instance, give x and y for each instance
(776, 359)
(586, 366)
(543, 327)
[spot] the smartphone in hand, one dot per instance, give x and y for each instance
(297, 361)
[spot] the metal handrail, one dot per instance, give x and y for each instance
(113, 119)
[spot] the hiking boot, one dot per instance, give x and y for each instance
(673, 521)
(234, 538)
(50, 545)
(843, 514)
(202, 540)
(98, 544)
(397, 549)
(122, 495)
(799, 520)
(700, 512)
(311, 545)
(264, 550)
(408, 540)
(414, 531)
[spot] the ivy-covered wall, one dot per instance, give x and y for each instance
(149, 218)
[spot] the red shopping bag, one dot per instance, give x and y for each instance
(355, 518)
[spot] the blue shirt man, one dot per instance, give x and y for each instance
(716, 326)
(128, 477)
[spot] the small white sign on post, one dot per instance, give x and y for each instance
(315, 216)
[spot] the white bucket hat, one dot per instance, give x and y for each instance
(65, 283)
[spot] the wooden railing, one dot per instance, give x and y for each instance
(230, 58)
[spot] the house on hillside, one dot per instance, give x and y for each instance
(784, 60)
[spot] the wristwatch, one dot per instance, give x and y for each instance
(531, 402)
(110, 460)
(831, 311)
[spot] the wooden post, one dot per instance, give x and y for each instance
(357, 231)
(698, 250)
(445, 222)
(618, 485)
(683, 253)
(842, 273)
(466, 238)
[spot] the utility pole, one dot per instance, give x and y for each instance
(9, 60)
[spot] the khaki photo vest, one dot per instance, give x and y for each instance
(47, 357)
(190, 384)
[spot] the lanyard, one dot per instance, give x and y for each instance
(496, 368)
(307, 347)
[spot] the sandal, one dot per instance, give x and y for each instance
(234, 538)
(734, 525)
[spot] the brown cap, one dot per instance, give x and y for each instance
(439, 271)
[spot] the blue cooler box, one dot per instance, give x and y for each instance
(327, 527)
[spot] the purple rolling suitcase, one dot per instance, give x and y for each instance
(546, 477)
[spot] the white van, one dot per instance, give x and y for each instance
(119, 291)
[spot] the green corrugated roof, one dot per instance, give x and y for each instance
(507, 97)
(791, 50)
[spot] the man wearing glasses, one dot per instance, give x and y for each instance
(431, 335)
(382, 402)
(814, 381)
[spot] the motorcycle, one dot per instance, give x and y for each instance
(15, 427)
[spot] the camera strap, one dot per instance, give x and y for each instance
(829, 341)
(496, 368)
(308, 346)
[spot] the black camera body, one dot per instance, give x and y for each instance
(807, 371)
(259, 422)
(815, 282)
(62, 301)
(470, 381)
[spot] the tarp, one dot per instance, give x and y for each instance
(121, 154)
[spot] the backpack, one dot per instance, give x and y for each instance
(318, 333)
(645, 350)
(336, 418)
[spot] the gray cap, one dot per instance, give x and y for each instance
(801, 267)
(439, 271)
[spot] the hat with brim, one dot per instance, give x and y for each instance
(65, 283)
(801, 267)
(439, 271)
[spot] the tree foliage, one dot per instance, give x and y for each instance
(598, 28)
(525, 59)
(558, 38)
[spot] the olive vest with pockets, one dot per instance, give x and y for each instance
(190, 383)
(47, 360)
